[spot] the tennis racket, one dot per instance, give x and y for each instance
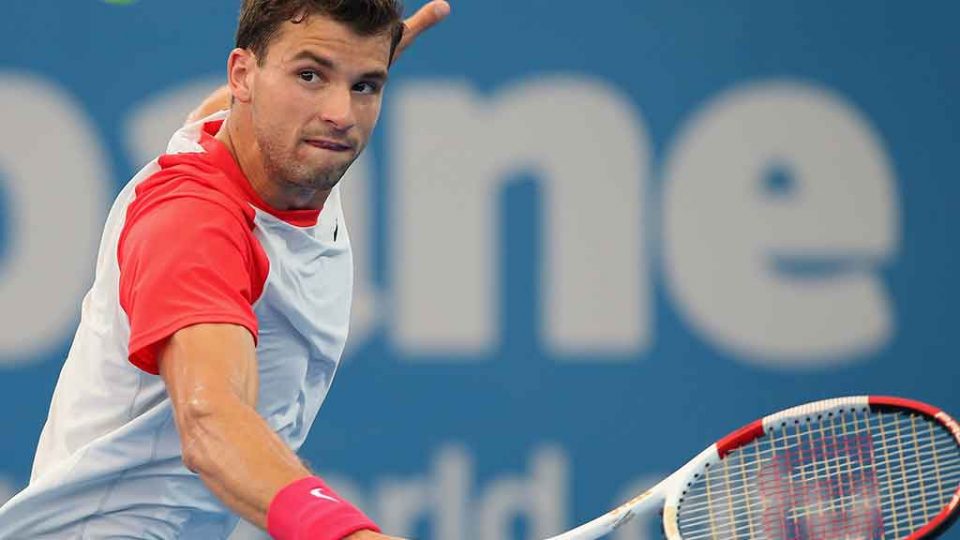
(856, 468)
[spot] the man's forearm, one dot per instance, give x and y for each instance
(238, 456)
(246, 465)
(210, 371)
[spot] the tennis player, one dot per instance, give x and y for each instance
(219, 310)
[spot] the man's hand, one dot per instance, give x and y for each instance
(425, 18)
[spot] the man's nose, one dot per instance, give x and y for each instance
(337, 109)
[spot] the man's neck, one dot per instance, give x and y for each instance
(246, 152)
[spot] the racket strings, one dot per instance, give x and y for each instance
(862, 474)
(796, 511)
(743, 504)
(807, 450)
(914, 474)
(924, 459)
(807, 442)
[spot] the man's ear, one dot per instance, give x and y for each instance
(241, 65)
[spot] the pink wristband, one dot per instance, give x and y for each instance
(309, 510)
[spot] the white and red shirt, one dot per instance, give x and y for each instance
(187, 241)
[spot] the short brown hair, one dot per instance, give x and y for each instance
(260, 20)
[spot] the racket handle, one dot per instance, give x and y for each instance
(606, 523)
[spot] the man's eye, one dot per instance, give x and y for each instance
(366, 88)
(309, 76)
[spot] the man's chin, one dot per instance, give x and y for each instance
(321, 159)
(326, 177)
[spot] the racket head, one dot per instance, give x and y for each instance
(865, 467)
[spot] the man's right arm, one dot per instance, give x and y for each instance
(210, 371)
(210, 374)
(189, 274)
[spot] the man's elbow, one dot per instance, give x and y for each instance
(197, 421)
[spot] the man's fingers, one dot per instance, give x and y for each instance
(428, 15)
(425, 17)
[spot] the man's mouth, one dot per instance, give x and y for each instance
(327, 144)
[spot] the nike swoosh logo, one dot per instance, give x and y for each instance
(318, 493)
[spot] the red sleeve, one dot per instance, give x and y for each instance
(186, 261)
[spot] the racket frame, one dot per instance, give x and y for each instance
(672, 489)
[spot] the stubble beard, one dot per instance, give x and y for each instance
(293, 174)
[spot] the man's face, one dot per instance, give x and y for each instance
(315, 100)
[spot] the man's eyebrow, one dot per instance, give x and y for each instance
(316, 58)
(379, 75)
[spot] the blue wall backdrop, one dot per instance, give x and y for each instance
(592, 237)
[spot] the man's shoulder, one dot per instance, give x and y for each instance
(198, 172)
(183, 212)
(188, 184)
